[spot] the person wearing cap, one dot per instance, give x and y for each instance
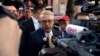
(63, 22)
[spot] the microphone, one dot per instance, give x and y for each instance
(66, 43)
(72, 46)
(76, 30)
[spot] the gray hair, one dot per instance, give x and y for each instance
(47, 12)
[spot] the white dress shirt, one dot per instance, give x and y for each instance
(51, 33)
(36, 23)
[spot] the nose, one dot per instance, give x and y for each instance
(47, 23)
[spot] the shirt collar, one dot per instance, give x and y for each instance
(34, 19)
(51, 33)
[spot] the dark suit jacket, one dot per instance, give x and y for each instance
(27, 27)
(66, 35)
(20, 20)
(36, 41)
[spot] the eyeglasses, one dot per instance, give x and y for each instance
(46, 21)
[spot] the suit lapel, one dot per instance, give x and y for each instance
(31, 24)
(55, 33)
(41, 33)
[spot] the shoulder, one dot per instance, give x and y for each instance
(36, 33)
(26, 21)
(56, 28)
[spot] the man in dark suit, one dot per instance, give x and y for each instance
(44, 36)
(27, 27)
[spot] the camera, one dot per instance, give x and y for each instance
(95, 9)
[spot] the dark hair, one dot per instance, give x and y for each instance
(36, 8)
(16, 4)
(81, 14)
(4, 12)
(80, 2)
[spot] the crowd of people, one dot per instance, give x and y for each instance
(26, 33)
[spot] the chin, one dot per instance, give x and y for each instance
(48, 31)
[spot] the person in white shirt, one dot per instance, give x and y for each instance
(29, 26)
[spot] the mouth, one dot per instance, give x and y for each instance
(47, 28)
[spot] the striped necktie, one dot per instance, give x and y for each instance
(51, 45)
